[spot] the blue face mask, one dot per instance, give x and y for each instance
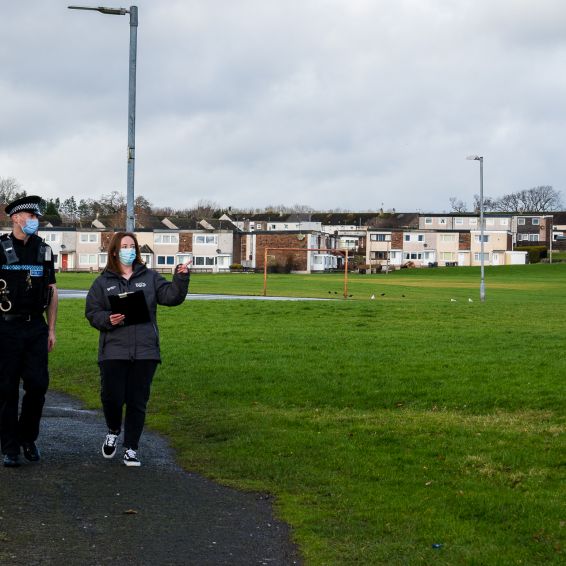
(31, 226)
(127, 256)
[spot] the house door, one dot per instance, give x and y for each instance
(64, 262)
(462, 259)
(495, 258)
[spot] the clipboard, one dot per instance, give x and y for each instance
(131, 304)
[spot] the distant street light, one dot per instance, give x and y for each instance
(133, 11)
(482, 271)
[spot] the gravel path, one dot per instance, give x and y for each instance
(75, 507)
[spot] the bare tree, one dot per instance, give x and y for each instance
(113, 203)
(458, 205)
(489, 204)
(540, 199)
(10, 190)
(543, 198)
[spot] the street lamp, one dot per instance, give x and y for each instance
(133, 11)
(482, 276)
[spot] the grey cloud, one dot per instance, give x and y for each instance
(336, 104)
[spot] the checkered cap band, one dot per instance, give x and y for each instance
(29, 207)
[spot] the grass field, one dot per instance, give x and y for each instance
(416, 428)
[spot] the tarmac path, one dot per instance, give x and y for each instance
(81, 294)
(76, 508)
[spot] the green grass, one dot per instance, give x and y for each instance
(382, 426)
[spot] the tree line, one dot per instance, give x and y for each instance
(112, 206)
(538, 200)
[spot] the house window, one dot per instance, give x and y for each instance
(428, 220)
(459, 221)
(477, 238)
(90, 238)
(166, 238)
(273, 226)
(478, 255)
(420, 237)
(522, 237)
(258, 226)
(448, 256)
(535, 221)
(206, 239)
(102, 259)
(87, 259)
(379, 255)
(490, 221)
(164, 260)
(203, 261)
(51, 237)
(447, 237)
(521, 221)
(504, 221)
(407, 237)
(413, 255)
(380, 237)
(473, 221)
(533, 237)
(183, 258)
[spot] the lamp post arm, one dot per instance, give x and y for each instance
(102, 10)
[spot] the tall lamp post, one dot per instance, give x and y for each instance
(482, 271)
(133, 11)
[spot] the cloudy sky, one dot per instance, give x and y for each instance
(334, 104)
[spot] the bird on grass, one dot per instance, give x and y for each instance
(452, 300)
(372, 297)
(470, 300)
(383, 294)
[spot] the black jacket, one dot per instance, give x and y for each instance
(136, 341)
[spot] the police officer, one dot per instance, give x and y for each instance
(27, 291)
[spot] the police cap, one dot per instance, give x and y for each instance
(25, 204)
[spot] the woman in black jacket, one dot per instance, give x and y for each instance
(128, 353)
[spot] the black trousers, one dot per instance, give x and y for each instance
(128, 383)
(23, 355)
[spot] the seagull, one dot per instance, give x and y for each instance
(470, 300)
(452, 300)
(372, 297)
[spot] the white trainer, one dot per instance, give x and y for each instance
(109, 446)
(131, 458)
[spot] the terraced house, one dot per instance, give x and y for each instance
(313, 242)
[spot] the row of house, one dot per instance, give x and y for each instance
(314, 242)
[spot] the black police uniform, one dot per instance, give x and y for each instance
(23, 337)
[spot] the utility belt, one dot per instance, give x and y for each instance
(20, 317)
(19, 288)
